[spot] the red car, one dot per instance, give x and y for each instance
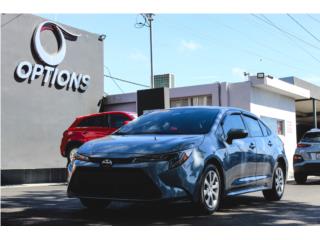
(89, 127)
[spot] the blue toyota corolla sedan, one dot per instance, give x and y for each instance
(196, 153)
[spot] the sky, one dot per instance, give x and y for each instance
(204, 48)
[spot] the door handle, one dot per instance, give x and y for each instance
(252, 146)
(269, 143)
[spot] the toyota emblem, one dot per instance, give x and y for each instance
(106, 163)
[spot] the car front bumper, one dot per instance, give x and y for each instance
(147, 181)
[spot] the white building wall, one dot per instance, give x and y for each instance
(268, 104)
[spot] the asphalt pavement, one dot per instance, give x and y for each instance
(49, 205)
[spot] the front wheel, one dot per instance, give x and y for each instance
(210, 190)
(94, 204)
(276, 193)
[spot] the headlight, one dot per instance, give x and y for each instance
(80, 157)
(175, 159)
(180, 158)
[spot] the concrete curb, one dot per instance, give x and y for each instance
(33, 185)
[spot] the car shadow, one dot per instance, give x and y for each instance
(54, 208)
(311, 181)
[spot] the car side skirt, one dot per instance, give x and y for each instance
(247, 190)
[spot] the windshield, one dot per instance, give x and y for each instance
(172, 121)
(311, 137)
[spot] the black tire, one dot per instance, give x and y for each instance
(94, 204)
(277, 190)
(203, 199)
(300, 178)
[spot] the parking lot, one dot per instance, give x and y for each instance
(48, 205)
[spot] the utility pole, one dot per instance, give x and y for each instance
(314, 108)
(148, 18)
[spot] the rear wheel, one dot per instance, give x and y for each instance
(210, 190)
(278, 185)
(94, 204)
(300, 178)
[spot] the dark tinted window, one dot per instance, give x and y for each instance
(265, 130)
(232, 121)
(173, 121)
(311, 137)
(117, 120)
(253, 126)
(95, 121)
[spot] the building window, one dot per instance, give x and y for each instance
(276, 125)
(191, 101)
(280, 127)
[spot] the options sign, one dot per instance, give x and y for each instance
(49, 70)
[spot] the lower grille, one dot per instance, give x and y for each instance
(113, 183)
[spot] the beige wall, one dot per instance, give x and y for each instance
(33, 117)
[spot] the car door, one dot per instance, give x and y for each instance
(265, 167)
(95, 127)
(264, 153)
(240, 162)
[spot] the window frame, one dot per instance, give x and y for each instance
(269, 132)
(229, 113)
(248, 129)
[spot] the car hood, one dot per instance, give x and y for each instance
(138, 145)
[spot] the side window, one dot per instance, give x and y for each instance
(253, 126)
(86, 122)
(117, 120)
(232, 121)
(102, 121)
(95, 121)
(265, 130)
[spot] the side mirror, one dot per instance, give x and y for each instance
(236, 134)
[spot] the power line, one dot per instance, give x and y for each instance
(255, 41)
(312, 17)
(117, 85)
(269, 22)
(303, 27)
(228, 46)
(113, 79)
(286, 34)
(14, 18)
(126, 81)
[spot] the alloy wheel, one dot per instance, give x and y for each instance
(279, 181)
(211, 189)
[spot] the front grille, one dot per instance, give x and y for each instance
(114, 160)
(113, 183)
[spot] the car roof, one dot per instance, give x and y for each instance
(103, 113)
(314, 130)
(222, 109)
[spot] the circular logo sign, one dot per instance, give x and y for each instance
(106, 163)
(61, 34)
